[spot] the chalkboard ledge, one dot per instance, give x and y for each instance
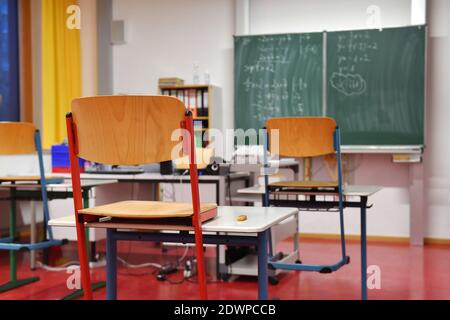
(383, 149)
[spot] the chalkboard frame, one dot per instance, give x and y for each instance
(385, 149)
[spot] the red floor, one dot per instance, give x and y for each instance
(406, 273)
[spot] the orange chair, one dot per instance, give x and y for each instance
(18, 138)
(133, 130)
(307, 137)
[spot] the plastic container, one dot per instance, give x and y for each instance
(61, 160)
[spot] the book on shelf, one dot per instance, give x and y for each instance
(198, 133)
(201, 104)
(195, 98)
(168, 82)
(205, 101)
(192, 103)
(180, 95)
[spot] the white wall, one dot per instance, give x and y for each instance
(88, 47)
(281, 16)
(165, 37)
(438, 151)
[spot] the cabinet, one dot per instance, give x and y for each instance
(204, 102)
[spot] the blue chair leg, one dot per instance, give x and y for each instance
(262, 265)
(364, 294)
(111, 265)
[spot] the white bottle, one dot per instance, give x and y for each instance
(196, 74)
(207, 77)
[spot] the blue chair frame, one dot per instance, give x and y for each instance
(328, 268)
(8, 243)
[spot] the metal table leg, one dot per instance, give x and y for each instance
(111, 265)
(13, 281)
(97, 285)
(94, 286)
(262, 265)
(364, 294)
(33, 234)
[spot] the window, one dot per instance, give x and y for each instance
(9, 61)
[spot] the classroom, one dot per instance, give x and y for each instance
(245, 150)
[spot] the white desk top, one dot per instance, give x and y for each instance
(258, 219)
(153, 177)
(252, 167)
(349, 191)
(65, 186)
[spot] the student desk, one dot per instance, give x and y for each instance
(354, 197)
(144, 187)
(219, 183)
(226, 228)
(255, 170)
(32, 192)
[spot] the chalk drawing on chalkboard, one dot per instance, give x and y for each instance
(348, 84)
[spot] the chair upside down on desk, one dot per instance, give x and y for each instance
(134, 130)
(20, 139)
(307, 137)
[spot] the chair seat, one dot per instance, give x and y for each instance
(26, 178)
(147, 210)
(305, 184)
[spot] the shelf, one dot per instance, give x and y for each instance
(193, 86)
(194, 96)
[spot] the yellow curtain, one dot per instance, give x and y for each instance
(61, 68)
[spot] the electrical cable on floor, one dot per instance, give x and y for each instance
(94, 265)
(139, 266)
(186, 251)
(68, 265)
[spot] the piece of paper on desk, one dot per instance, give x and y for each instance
(281, 161)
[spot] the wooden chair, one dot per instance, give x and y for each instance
(134, 130)
(307, 137)
(18, 139)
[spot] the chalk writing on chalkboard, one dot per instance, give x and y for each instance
(271, 93)
(353, 50)
(277, 76)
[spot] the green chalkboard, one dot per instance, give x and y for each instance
(277, 76)
(376, 85)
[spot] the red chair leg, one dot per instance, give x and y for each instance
(200, 263)
(84, 261)
(189, 147)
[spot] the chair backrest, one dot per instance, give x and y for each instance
(126, 130)
(17, 138)
(302, 136)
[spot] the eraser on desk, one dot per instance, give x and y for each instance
(242, 218)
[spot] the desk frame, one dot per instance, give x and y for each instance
(220, 185)
(35, 195)
(17, 195)
(312, 204)
(113, 235)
